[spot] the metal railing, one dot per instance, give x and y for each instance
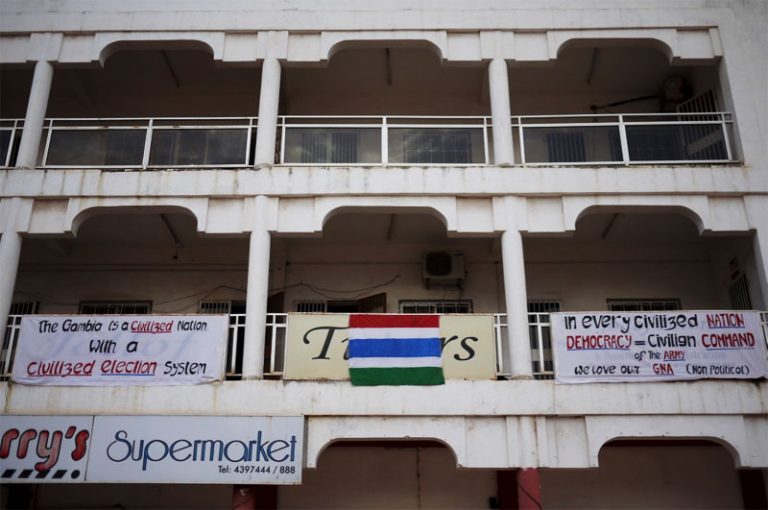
(384, 140)
(229, 142)
(624, 139)
(10, 138)
(541, 344)
(145, 143)
(8, 348)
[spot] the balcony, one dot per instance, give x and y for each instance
(228, 142)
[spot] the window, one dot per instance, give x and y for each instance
(329, 146)
(421, 306)
(115, 307)
(739, 294)
(643, 305)
(311, 307)
(539, 329)
(437, 146)
(11, 335)
(235, 333)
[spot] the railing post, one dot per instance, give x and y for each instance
(10, 253)
(256, 294)
(147, 145)
(269, 98)
(726, 138)
(518, 338)
(498, 81)
(33, 122)
(623, 140)
(384, 141)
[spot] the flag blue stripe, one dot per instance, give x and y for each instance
(394, 347)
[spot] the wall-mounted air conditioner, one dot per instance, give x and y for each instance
(443, 268)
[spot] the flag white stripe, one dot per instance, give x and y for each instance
(365, 333)
(430, 361)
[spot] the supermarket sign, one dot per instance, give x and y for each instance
(151, 449)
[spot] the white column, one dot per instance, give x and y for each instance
(10, 251)
(256, 300)
(519, 344)
(33, 122)
(269, 98)
(498, 82)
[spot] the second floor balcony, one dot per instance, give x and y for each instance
(179, 143)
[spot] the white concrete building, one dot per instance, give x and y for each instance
(498, 158)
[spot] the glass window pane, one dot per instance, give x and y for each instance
(436, 146)
(332, 145)
(93, 147)
(198, 147)
(572, 144)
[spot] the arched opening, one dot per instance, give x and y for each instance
(391, 102)
(598, 80)
(649, 473)
(390, 474)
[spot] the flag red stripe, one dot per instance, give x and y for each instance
(394, 321)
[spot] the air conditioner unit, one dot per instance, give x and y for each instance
(443, 268)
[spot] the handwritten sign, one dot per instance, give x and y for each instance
(658, 346)
(316, 346)
(119, 350)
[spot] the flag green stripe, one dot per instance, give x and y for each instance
(396, 376)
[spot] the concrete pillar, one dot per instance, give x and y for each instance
(10, 251)
(528, 489)
(498, 82)
(518, 340)
(33, 122)
(269, 98)
(256, 299)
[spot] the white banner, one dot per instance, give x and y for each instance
(657, 346)
(120, 350)
(44, 449)
(196, 449)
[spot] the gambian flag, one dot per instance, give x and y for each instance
(395, 349)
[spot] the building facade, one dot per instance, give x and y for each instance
(492, 162)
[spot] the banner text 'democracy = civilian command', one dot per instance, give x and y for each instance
(658, 346)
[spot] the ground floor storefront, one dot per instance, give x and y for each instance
(423, 474)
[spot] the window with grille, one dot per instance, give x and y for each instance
(440, 146)
(420, 306)
(539, 330)
(739, 294)
(11, 334)
(235, 332)
(566, 147)
(329, 147)
(311, 307)
(643, 305)
(115, 307)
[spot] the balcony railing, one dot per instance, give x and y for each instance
(274, 357)
(10, 138)
(228, 142)
(366, 140)
(145, 143)
(625, 139)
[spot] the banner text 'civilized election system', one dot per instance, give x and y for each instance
(119, 350)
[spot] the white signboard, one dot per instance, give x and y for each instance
(119, 350)
(658, 346)
(197, 449)
(41, 449)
